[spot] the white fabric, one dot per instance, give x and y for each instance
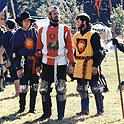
(61, 51)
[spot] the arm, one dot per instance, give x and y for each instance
(70, 55)
(69, 46)
(17, 44)
(4, 45)
(39, 65)
(2, 50)
(97, 52)
(120, 46)
(39, 44)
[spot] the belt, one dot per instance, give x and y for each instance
(55, 66)
(86, 59)
(34, 63)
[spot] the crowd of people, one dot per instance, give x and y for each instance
(48, 53)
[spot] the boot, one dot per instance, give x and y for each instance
(84, 107)
(33, 95)
(46, 110)
(46, 102)
(22, 102)
(61, 109)
(16, 83)
(1, 85)
(85, 104)
(99, 103)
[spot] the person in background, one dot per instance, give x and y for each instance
(1, 76)
(120, 46)
(54, 45)
(24, 40)
(7, 48)
(3, 28)
(88, 58)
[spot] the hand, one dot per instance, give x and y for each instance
(94, 70)
(70, 69)
(20, 73)
(114, 41)
(8, 63)
(39, 70)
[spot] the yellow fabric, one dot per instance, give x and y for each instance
(78, 71)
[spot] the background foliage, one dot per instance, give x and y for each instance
(70, 8)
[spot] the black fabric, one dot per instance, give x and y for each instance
(48, 72)
(33, 95)
(53, 24)
(85, 30)
(99, 102)
(28, 76)
(121, 47)
(61, 108)
(1, 34)
(115, 41)
(47, 108)
(22, 101)
(97, 49)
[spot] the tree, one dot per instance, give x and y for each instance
(68, 9)
(104, 10)
(118, 14)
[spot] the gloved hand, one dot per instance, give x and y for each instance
(115, 41)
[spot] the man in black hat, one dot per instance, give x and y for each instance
(6, 46)
(88, 58)
(24, 41)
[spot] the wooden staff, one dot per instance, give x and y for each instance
(113, 35)
(12, 5)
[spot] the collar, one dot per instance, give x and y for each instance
(85, 30)
(25, 29)
(53, 24)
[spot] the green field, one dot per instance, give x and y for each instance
(112, 105)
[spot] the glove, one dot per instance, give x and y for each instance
(115, 41)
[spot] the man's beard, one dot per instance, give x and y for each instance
(56, 20)
(81, 26)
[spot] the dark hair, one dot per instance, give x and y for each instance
(84, 17)
(10, 24)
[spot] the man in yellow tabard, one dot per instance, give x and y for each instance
(88, 58)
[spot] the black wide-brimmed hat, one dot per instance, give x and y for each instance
(23, 16)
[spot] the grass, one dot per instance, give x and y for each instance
(112, 105)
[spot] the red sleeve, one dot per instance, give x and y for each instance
(39, 44)
(68, 40)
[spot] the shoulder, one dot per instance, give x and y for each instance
(95, 33)
(96, 36)
(76, 34)
(34, 30)
(6, 35)
(18, 31)
(66, 27)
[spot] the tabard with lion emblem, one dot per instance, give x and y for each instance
(83, 49)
